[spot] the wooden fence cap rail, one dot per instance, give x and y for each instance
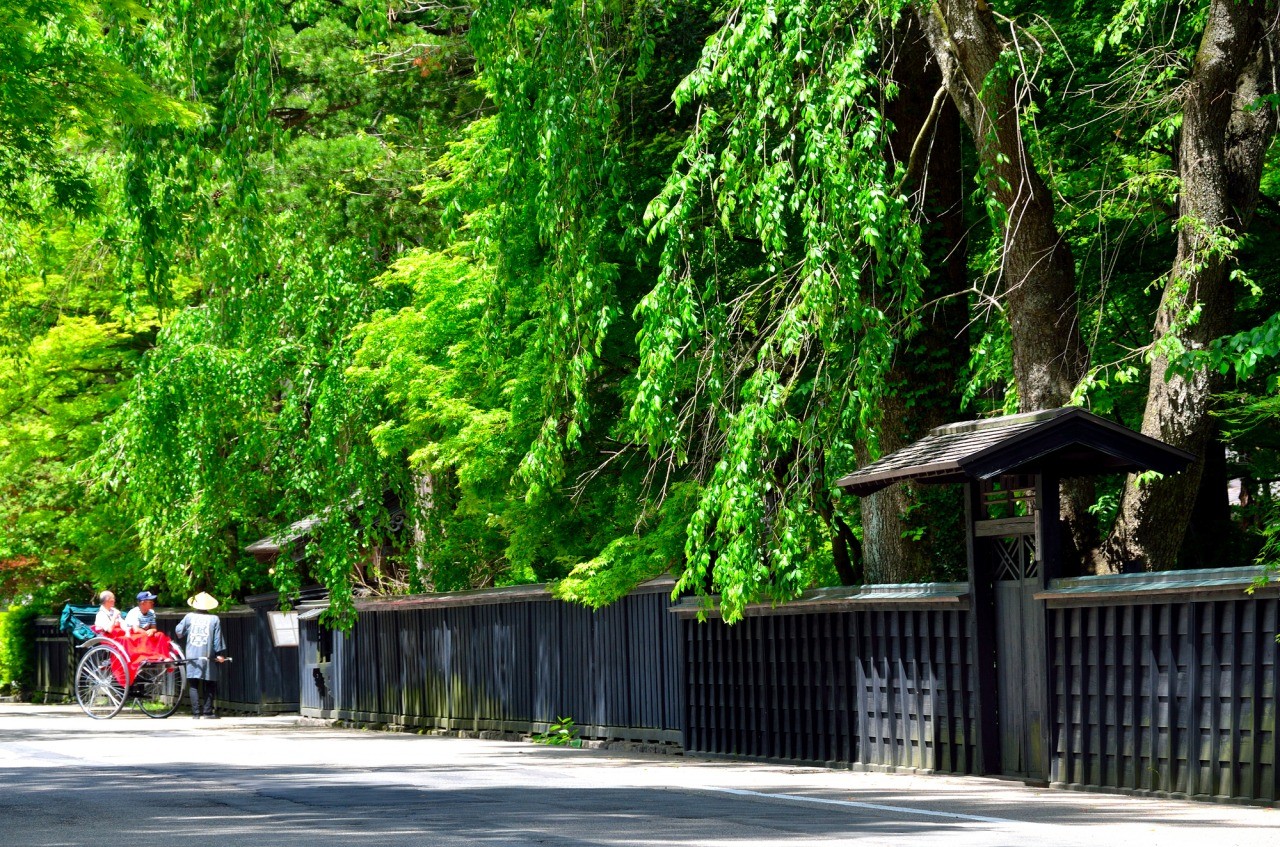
(539, 592)
(949, 595)
(177, 612)
(271, 599)
(1204, 583)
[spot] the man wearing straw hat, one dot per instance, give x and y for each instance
(203, 634)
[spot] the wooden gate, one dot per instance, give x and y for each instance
(1008, 570)
(1011, 468)
(1020, 656)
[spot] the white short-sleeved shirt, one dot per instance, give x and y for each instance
(107, 619)
(138, 619)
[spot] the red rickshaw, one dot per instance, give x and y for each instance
(117, 667)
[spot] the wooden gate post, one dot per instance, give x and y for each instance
(982, 640)
(1049, 549)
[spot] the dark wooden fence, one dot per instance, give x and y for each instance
(1165, 684)
(877, 678)
(262, 679)
(504, 660)
(53, 659)
(1161, 683)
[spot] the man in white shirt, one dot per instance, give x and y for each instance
(108, 615)
(142, 617)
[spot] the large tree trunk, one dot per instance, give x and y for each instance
(1224, 140)
(1037, 284)
(1037, 270)
(926, 139)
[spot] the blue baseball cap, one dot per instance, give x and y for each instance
(146, 595)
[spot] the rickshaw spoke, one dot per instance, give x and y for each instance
(101, 676)
(160, 686)
(100, 692)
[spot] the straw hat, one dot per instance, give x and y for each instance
(203, 602)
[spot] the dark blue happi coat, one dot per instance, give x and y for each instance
(203, 634)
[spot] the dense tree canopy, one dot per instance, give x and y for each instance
(506, 292)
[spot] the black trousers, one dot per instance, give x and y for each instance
(203, 692)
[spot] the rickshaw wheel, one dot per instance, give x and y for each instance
(159, 687)
(98, 691)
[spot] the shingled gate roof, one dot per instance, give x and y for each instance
(1067, 442)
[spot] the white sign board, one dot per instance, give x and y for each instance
(284, 628)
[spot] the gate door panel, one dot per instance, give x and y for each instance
(1020, 650)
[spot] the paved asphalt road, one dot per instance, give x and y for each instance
(263, 782)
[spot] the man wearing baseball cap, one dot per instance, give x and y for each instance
(142, 617)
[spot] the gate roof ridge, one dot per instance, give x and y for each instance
(1067, 441)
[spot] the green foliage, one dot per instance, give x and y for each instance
(583, 292)
(462, 408)
(654, 548)
(1242, 354)
(283, 206)
(790, 270)
(17, 648)
(564, 208)
(448, 416)
(69, 341)
(562, 732)
(518, 334)
(59, 81)
(1250, 419)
